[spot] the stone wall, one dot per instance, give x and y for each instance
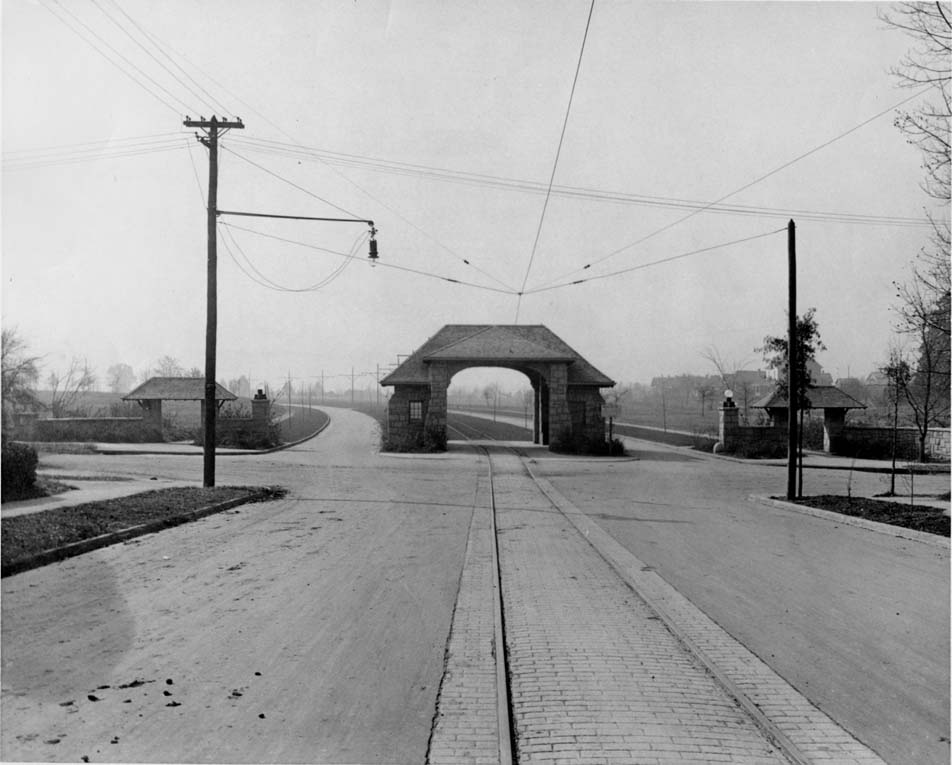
(746, 440)
(585, 407)
(860, 442)
(876, 443)
(104, 429)
(402, 432)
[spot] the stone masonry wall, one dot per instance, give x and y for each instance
(403, 432)
(589, 401)
(877, 443)
(106, 429)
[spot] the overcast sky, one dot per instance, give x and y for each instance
(450, 116)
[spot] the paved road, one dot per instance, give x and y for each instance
(306, 630)
(857, 621)
(314, 629)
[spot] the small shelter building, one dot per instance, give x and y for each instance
(834, 402)
(155, 390)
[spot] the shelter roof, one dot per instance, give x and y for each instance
(495, 345)
(176, 389)
(820, 396)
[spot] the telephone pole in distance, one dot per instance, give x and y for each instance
(214, 129)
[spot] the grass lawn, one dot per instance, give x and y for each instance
(25, 536)
(918, 517)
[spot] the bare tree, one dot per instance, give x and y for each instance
(728, 372)
(169, 366)
(898, 374)
(20, 367)
(68, 389)
(20, 372)
(927, 390)
(929, 63)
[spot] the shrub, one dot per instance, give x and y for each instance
(18, 469)
(568, 443)
(434, 439)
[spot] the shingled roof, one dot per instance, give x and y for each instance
(492, 345)
(820, 396)
(176, 389)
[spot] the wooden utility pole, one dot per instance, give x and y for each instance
(213, 131)
(792, 360)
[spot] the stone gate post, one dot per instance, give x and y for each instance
(436, 412)
(560, 420)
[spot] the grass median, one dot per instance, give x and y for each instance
(917, 517)
(32, 536)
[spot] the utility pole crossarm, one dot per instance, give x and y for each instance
(220, 124)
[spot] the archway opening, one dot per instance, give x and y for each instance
(494, 395)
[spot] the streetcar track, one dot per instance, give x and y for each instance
(771, 730)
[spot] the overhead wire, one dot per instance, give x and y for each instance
(383, 204)
(534, 187)
(658, 262)
(118, 54)
(377, 265)
(290, 182)
(555, 163)
(149, 53)
(266, 281)
(159, 47)
(746, 186)
(38, 158)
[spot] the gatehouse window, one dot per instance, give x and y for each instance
(416, 410)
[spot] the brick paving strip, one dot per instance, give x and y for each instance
(805, 734)
(607, 661)
(467, 728)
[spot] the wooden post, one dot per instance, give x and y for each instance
(791, 361)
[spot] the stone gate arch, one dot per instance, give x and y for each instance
(567, 397)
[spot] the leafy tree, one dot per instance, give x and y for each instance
(121, 378)
(808, 345)
(67, 389)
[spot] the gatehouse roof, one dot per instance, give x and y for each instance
(495, 345)
(176, 389)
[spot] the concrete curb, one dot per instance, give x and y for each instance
(880, 528)
(73, 549)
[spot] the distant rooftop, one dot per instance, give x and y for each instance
(176, 389)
